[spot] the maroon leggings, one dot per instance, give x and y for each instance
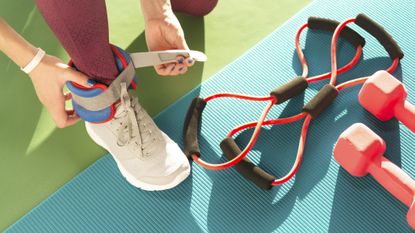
(82, 28)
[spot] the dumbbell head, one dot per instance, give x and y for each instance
(410, 216)
(381, 93)
(356, 147)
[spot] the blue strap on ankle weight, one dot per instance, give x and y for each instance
(100, 116)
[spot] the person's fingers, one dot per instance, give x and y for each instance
(77, 77)
(175, 69)
(181, 44)
(61, 116)
(171, 69)
(72, 119)
(65, 118)
(178, 69)
(183, 70)
(189, 61)
(180, 59)
(161, 70)
(70, 112)
(68, 96)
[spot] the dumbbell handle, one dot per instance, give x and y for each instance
(405, 112)
(393, 179)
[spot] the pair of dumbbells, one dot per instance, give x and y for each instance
(360, 151)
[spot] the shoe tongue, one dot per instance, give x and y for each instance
(119, 110)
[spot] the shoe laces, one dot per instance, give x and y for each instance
(136, 126)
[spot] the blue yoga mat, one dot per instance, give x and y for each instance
(321, 198)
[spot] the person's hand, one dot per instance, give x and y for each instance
(49, 78)
(166, 33)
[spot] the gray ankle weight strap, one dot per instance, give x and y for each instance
(138, 60)
(144, 59)
(110, 95)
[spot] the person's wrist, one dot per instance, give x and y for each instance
(27, 53)
(156, 9)
(46, 65)
(34, 62)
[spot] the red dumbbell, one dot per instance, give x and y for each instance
(385, 97)
(360, 151)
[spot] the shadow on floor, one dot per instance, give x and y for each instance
(356, 198)
(276, 148)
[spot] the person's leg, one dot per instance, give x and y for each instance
(146, 157)
(194, 7)
(82, 28)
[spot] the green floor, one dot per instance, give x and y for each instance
(36, 158)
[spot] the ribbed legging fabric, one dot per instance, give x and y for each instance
(82, 28)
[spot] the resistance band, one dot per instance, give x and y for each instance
(310, 111)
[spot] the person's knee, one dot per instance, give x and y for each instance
(194, 7)
(207, 7)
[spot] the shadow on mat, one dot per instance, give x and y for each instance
(277, 154)
(318, 42)
(171, 211)
(231, 201)
(269, 209)
(351, 203)
(361, 204)
(157, 92)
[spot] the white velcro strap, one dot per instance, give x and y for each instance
(145, 59)
(34, 62)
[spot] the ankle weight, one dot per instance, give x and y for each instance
(84, 95)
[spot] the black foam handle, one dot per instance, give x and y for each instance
(321, 101)
(249, 170)
(191, 127)
(290, 89)
(376, 30)
(330, 25)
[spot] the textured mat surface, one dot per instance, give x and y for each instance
(321, 198)
(29, 140)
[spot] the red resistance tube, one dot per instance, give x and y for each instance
(272, 100)
(304, 130)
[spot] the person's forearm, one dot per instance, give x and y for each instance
(14, 46)
(155, 9)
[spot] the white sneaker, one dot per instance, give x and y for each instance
(146, 156)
